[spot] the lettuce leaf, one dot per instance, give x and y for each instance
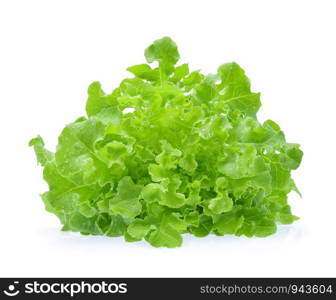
(171, 151)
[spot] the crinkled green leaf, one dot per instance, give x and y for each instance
(98, 100)
(228, 223)
(205, 226)
(126, 202)
(43, 155)
(112, 225)
(138, 228)
(168, 232)
(165, 52)
(144, 71)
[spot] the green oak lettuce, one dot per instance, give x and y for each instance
(171, 151)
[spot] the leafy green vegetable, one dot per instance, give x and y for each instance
(170, 152)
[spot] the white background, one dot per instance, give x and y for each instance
(51, 50)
